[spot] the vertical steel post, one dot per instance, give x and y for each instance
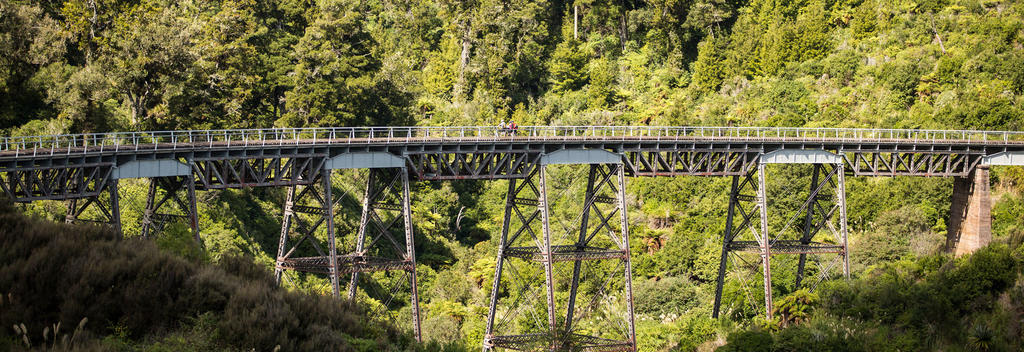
(147, 214)
(727, 237)
(506, 223)
(410, 252)
(332, 254)
(72, 211)
(286, 222)
(115, 208)
(361, 235)
(546, 251)
(626, 262)
(841, 198)
(762, 206)
(193, 212)
(588, 201)
(808, 220)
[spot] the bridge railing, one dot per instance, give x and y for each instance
(163, 140)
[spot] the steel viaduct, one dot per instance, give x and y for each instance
(83, 170)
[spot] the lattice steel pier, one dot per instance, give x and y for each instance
(386, 213)
(747, 227)
(602, 234)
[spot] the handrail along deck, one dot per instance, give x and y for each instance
(160, 140)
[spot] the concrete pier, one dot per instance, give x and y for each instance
(970, 219)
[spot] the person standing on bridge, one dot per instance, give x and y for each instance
(501, 127)
(513, 127)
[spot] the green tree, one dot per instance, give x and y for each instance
(228, 86)
(333, 77)
(147, 59)
(23, 29)
(567, 65)
(865, 20)
(796, 307)
(709, 70)
(601, 90)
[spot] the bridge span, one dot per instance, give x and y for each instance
(83, 170)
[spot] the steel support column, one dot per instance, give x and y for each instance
(153, 220)
(820, 211)
(546, 255)
(382, 242)
(510, 196)
(332, 243)
(410, 255)
(762, 206)
(309, 208)
(109, 213)
(147, 213)
(528, 237)
(841, 203)
(627, 261)
(746, 201)
(386, 204)
(193, 210)
(286, 223)
(808, 234)
(361, 234)
(581, 243)
(727, 235)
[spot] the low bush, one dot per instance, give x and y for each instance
(132, 292)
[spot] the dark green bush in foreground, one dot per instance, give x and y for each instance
(131, 294)
(973, 303)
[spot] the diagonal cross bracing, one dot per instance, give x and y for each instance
(824, 208)
(601, 234)
(384, 241)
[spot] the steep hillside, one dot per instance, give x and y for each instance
(91, 66)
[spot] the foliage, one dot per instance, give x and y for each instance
(133, 291)
(94, 66)
(929, 303)
(796, 307)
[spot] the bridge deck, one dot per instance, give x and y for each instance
(406, 136)
(839, 144)
(76, 166)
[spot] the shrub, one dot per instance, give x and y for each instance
(65, 273)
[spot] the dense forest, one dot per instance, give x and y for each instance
(124, 65)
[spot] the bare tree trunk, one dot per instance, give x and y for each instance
(93, 23)
(623, 30)
(936, 31)
(467, 45)
(575, 21)
(137, 103)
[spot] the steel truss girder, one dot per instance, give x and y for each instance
(386, 208)
(820, 211)
(60, 177)
(56, 183)
(472, 165)
(911, 163)
(161, 194)
(222, 173)
(711, 162)
(528, 203)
